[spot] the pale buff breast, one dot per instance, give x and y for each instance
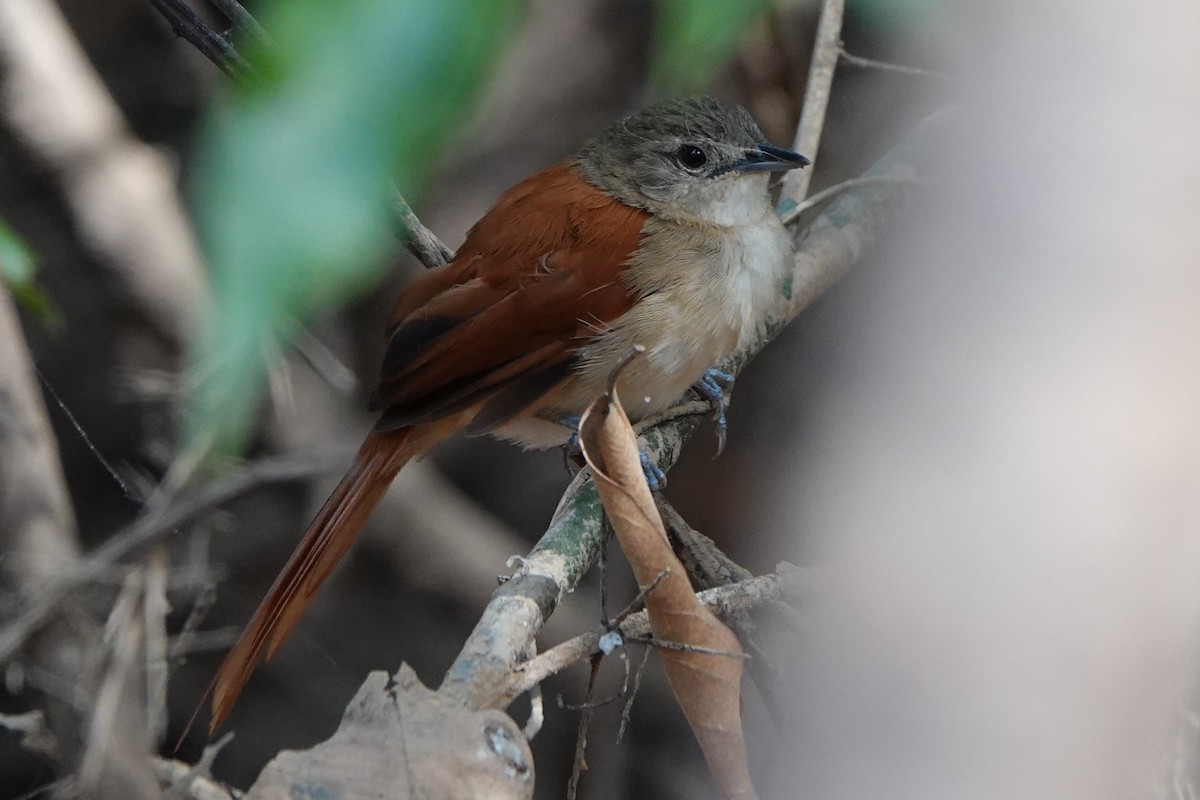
(702, 289)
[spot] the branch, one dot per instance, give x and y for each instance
(399, 739)
(816, 99)
(887, 66)
(37, 527)
(506, 630)
(419, 240)
(193, 782)
(237, 14)
(215, 47)
(830, 192)
(725, 601)
(49, 593)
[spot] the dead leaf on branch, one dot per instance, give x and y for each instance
(706, 684)
(400, 740)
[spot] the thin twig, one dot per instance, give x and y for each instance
(35, 737)
(154, 621)
(537, 714)
(706, 565)
(816, 98)
(209, 641)
(592, 705)
(639, 600)
(637, 685)
(324, 362)
(63, 787)
(585, 721)
(242, 21)
(829, 192)
(187, 640)
(724, 601)
(188, 782)
(419, 240)
(685, 647)
(215, 47)
(156, 524)
(887, 66)
(124, 639)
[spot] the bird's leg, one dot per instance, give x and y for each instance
(656, 479)
(571, 449)
(714, 387)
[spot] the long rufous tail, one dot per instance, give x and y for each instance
(381, 456)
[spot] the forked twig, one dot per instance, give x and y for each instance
(887, 66)
(830, 192)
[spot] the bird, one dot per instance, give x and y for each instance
(659, 233)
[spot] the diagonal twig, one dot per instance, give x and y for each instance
(725, 601)
(215, 47)
(48, 597)
(241, 20)
(829, 192)
(887, 66)
(816, 98)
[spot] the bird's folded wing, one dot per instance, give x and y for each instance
(537, 277)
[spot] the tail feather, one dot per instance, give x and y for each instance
(328, 537)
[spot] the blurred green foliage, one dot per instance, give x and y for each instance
(294, 169)
(16, 259)
(697, 37)
(18, 270)
(894, 17)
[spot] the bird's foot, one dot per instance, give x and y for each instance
(571, 448)
(714, 387)
(656, 479)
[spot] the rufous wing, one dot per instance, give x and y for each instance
(537, 277)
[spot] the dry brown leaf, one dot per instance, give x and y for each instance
(707, 685)
(401, 740)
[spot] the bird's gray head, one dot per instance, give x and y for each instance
(694, 160)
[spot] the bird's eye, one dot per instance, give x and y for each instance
(692, 157)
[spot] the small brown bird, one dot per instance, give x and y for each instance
(659, 233)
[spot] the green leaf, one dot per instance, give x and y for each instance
(294, 170)
(697, 37)
(17, 266)
(18, 270)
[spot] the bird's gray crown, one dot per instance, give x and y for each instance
(679, 157)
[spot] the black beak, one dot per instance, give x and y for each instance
(768, 158)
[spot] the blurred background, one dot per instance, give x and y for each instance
(547, 76)
(985, 433)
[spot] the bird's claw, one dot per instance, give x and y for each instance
(571, 448)
(656, 479)
(713, 387)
